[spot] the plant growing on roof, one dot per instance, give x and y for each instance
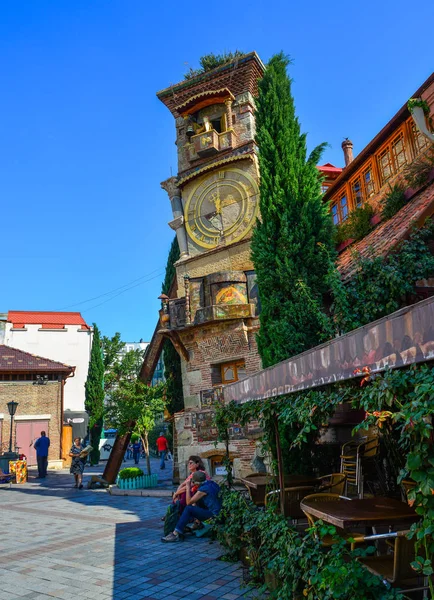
(211, 61)
(393, 201)
(356, 226)
(290, 266)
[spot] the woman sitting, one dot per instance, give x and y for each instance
(195, 464)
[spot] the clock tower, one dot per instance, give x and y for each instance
(215, 199)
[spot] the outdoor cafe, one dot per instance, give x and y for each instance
(349, 425)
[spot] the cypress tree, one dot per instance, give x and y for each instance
(292, 241)
(94, 396)
(171, 359)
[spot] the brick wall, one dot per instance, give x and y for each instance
(33, 400)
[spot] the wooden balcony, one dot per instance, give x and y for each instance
(210, 143)
(178, 317)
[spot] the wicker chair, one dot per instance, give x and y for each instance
(293, 497)
(329, 540)
(334, 483)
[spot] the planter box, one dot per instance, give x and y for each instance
(344, 244)
(138, 483)
(375, 220)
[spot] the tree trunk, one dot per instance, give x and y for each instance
(145, 443)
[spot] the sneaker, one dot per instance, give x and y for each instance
(80, 487)
(173, 538)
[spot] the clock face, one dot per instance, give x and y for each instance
(222, 208)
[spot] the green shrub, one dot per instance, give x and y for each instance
(356, 226)
(130, 473)
(393, 201)
(417, 172)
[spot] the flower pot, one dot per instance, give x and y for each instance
(344, 244)
(375, 219)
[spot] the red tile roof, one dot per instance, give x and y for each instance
(47, 320)
(329, 168)
(13, 360)
(385, 237)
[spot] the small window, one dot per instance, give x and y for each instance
(335, 214)
(398, 151)
(343, 207)
(368, 183)
(232, 371)
(420, 140)
(357, 193)
(385, 164)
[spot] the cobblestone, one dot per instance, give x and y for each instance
(61, 543)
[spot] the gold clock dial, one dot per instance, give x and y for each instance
(222, 207)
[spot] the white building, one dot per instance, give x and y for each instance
(61, 336)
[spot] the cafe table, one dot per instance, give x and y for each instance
(367, 512)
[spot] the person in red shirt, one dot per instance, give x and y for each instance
(162, 447)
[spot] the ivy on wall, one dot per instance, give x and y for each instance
(402, 400)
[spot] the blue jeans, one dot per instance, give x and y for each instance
(189, 514)
(163, 458)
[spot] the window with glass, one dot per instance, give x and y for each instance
(398, 152)
(385, 164)
(368, 183)
(419, 139)
(233, 371)
(340, 210)
(357, 192)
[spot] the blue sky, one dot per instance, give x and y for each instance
(84, 142)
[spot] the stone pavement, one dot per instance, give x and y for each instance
(59, 542)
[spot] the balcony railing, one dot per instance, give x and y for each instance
(210, 142)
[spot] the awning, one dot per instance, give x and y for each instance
(402, 338)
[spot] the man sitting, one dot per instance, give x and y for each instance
(204, 504)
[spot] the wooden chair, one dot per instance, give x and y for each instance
(293, 497)
(329, 540)
(395, 568)
(333, 484)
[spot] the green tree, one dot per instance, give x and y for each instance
(171, 358)
(94, 394)
(132, 403)
(295, 228)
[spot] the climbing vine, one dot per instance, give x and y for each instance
(401, 399)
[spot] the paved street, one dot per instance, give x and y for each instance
(59, 542)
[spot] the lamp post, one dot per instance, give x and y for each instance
(12, 408)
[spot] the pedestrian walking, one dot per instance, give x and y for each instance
(162, 447)
(137, 447)
(41, 445)
(78, 462)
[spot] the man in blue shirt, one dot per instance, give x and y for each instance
(208, 498)
(42, 444)
(137, 447)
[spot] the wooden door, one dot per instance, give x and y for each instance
(66, 444)
(26, 433)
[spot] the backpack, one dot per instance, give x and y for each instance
(172, 516)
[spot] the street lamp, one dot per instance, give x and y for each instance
(12, 408)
